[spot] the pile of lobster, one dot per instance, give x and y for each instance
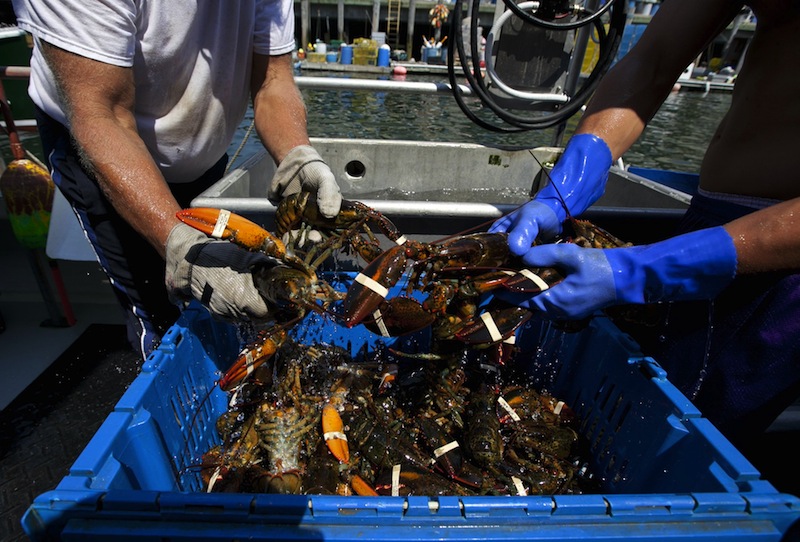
(288, 423)
(452, 276)
(314, 421)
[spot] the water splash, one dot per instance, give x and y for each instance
(703, 372)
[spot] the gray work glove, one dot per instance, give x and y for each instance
(217, 273)
(304, 169)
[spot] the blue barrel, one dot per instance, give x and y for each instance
(383, 56)
(330, 57)
(346, 54)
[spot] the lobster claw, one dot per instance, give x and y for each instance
(361, 487)
(399, 316)
(493, 326)
(371, 285)
(533, 281)
(252, 358)
(222, 224)
(332, 431)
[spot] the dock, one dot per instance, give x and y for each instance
(705, 85)
(410, 67)
(422, 68)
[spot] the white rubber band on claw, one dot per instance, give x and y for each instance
(380, 323)
(491, 327)
(401, 240)
(508, 408)
(521, 491)
(248, 361)
(372, 285)
(441, 450)
(395, 480)
(213, 479)
(222, 223)
(536, 279)
(330, 435)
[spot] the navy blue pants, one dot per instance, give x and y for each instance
(133, 266)
(737, 357)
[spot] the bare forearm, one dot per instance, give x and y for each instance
(127, 175)
(634, 89)
(99, 100)
(767, 240)
(622, 106)
(280, 114)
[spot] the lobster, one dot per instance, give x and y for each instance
(298, 216)
(454, 277)
(452, 274)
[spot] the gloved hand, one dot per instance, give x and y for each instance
(217, 273)
(577, 180)
(304, 169)
(696, 265)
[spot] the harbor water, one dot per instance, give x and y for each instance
(675, 139)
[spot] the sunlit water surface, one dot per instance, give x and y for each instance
(675, 138)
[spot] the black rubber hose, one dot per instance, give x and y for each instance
(550, 25)
(608, 43)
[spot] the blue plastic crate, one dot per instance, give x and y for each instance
(666, 472)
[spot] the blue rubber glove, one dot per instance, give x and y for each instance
(577, 180)
(696, 265)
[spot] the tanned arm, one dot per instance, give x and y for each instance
(99, 101)
(280, 113)
(634, 89)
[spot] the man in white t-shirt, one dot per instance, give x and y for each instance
(137, 104)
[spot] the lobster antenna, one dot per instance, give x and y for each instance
(550, 180)
(547, 174)
(488, 222)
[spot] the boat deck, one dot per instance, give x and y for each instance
(57, 384)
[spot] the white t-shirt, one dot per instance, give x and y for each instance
(191, 63)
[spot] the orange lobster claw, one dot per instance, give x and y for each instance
(361, 487)
(251, 359)
(332, 431)
(222, 224)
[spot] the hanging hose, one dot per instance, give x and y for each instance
(514, 123)
(241, 146)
